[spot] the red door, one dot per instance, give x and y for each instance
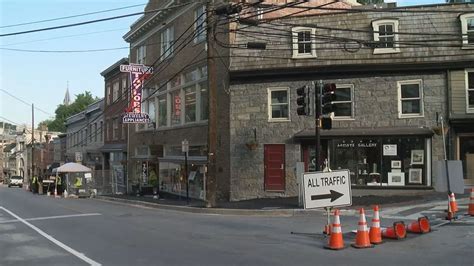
(274, 158)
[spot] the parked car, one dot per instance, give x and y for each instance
(15, 181)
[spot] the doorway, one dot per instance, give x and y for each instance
(274, 158)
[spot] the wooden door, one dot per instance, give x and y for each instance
(274, 159)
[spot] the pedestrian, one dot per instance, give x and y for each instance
(34, 184)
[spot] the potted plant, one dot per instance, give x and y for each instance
(251, 145)
(437, 130)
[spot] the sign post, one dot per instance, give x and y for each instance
(327, 189)
(185, 149)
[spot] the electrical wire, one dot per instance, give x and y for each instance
(68, 17)
(92, 21)
(25, 102)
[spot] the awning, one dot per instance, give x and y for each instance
(361, 132)
(180, 159)
(111, 147)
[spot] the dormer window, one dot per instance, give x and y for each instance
(467, 29)
(303, 42)
(385, 36)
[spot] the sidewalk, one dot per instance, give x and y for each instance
(282, 206)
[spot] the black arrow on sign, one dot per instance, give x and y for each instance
(333, 195)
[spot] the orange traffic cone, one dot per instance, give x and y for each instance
(362, 237)
(471, 203)
(335, 240)
(421, 226)
(375, 234)
(397, 231)
(452, 203)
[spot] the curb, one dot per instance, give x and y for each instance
(217, 211)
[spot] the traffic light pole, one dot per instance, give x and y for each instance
(317, 114)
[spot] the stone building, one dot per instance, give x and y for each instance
(395, 78)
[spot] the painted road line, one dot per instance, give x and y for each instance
(51, 217)
(52, 239)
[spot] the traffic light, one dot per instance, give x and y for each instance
(329, 95)
(302, 100)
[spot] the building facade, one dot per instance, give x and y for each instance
(175, 97)
(117, 91)
(394, 81)
(85, 136)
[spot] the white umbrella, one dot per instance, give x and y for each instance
(73, 168)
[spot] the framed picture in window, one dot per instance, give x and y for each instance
(397, 164)
(417, 156)
(396, 179)
(415, 175)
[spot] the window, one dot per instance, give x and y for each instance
(96, 132)
(124, 131)
(141, 54)
(190, 104)
(109, 91)
(101, 130)
(151, 112)
(200, 25)
(385, 35)
(176, 107)
(343, 103)
(124, 88)
(303, 42)
(85, 137)
(467, 29)
(167, 40)
(91, 133)
(410, 94)
(162, 111)
(278, 104)
(470, 91)
(115, 127)
(115, 92)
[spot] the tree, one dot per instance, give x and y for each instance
(369, 2)
(64, 111)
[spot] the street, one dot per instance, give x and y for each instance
(41, 230)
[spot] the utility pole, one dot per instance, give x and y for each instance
(32, 141)
(211, 178)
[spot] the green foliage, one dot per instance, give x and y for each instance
(368, 2)
(64, 111)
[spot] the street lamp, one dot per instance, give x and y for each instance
(185, 149)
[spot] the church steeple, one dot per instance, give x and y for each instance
(67, 99)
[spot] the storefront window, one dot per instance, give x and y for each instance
(204, 100)
(381, 161)
(173, 180)
(190, 104)
(162, 111)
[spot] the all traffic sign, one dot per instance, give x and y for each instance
(327, 189)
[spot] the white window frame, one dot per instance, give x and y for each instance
(269, 104)
(200, 24)
(167, 43)
(296, 54)
(464, 18)
(351, 87)
(141, 54)
(419, 82)
(375, 27)
(468, 110)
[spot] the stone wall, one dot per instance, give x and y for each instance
(375, 106)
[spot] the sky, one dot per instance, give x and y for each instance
(42, 78)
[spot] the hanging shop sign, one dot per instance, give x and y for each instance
(138, 74)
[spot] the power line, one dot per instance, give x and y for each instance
(62, 37)
(64, 51)
(25, 102)
(73, 16)
(92, 21)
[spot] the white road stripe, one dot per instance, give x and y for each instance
(51, 217)
(52, 239)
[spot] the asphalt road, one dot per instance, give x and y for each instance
(40, 230)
